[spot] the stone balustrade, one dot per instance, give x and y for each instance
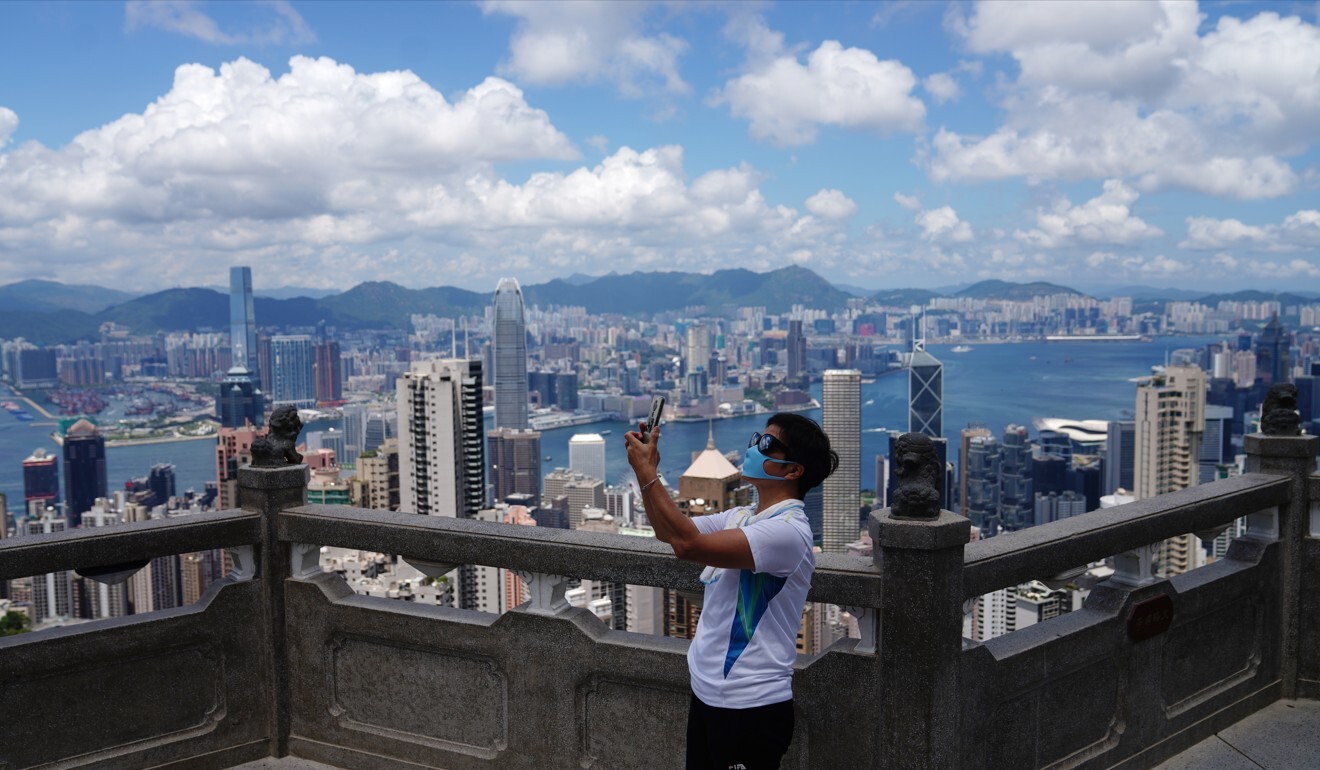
(279, 658)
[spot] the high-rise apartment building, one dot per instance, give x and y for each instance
(327, 372)
(515, 462)
(377, 482)
(586, 455)
(510, 357)
(1170, 421)
(292, 361)
(1216, 443)
(41, 479)
(242, 320)
(925, 393)
(84, 470)
(52, 593)
(841, 418)
(233, 450)
(442, 456)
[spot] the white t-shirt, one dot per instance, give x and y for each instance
(746, 640)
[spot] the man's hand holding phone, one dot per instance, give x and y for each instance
(643, 444)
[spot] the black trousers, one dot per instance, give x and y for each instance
(738, 739)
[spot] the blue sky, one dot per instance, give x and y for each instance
(148, 145)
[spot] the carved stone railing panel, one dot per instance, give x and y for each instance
(139, 691)
(1084, 690)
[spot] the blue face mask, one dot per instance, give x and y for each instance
(754, 465)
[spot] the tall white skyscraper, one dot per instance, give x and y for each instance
(242, 321)
(441, 449)
(841, 418)
(52, 593)
(442, 457)
(1170, 421)
(586, 455)
(510, 357)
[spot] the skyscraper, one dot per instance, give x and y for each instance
(925, 393)
(510, 357)
(84, 469)
(242, 321)
(1016, 491)
(442, 456)
(968, 433)
(1272, 353)
(1170, 421)
(233, 450)
(980, 479)
(41, 479)
(841, 418)
(797, 352)
(161, 482)
(515, 462)
(1120, 456)
(239, 401)
(698, 348)
(586, 455)
(291, 376)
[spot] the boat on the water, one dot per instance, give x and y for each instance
(961, 349)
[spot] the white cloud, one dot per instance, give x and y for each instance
(908, 202)
(786, 100)
(557, 43)
(942, 87)
(1106, 218)
(8, 125)
(1297, 232)
(831, 204)
(943, 224)
(346, 176)
(187, 18)
(1131, 90)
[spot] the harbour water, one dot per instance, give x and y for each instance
(996, 385)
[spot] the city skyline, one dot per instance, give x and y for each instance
(688, 137)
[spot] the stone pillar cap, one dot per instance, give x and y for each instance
(948, 531)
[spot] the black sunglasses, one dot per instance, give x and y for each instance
(768, 443)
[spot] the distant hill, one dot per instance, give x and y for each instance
(381, 303)
(904, 297)
(50, 328)
(169, 310)
(647, 293)
(1013, 291)
(290, 292)
(48, 296)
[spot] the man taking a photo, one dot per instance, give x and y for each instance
(758, 566)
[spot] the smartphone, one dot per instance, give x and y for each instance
(652, 420)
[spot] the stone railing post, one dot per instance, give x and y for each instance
(920, 563)
(1294, 457)
(268, 491)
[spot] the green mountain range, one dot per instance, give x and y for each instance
(45, 312)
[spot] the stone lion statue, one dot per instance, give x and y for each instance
(919, 478)
(1279, 415)
(277, 448)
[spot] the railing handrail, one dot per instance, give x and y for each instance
(121, 543)
(842, 580)
(1049, 549)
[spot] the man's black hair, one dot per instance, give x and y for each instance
(809, 446)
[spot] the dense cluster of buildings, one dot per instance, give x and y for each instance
(396, 421)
